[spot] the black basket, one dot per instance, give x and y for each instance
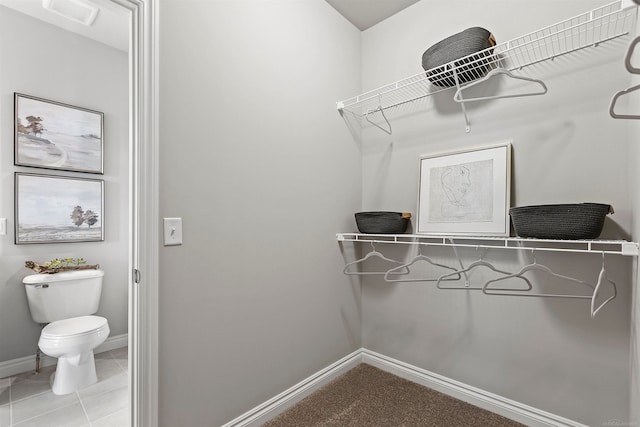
(457, 48)
(382, 222)
(562, 222)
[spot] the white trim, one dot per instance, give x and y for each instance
(143, 133)
(500, 405)
(285, 400)
(28, 363)
(143, 293)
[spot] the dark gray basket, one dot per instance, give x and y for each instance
(382, 222)
(461, 45)
(562, 221)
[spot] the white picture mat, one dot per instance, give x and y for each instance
(482, 176)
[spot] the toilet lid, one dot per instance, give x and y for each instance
(74, 326)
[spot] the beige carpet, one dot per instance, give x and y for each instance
(368, 396)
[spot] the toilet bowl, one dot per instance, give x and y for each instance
(72, 341)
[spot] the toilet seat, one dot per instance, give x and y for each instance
(74, 327)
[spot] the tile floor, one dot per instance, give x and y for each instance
(26, 399)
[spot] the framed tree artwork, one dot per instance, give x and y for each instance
(53, 135)
(58, 209)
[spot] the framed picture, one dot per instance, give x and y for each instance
(466, 192)
(58, 209)
(53, 135)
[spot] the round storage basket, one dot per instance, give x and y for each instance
(382, 222)
(475, 41)
(562, 221)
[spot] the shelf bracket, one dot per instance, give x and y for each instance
(464, 109)
(630, 248)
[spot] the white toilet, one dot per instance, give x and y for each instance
(66, 301)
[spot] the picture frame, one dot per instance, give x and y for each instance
(58, 209)
(53, 135)
(465, 192)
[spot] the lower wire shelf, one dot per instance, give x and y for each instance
(597, 301)
(614, 247)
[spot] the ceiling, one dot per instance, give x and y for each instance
(366, 13)
(111, 26)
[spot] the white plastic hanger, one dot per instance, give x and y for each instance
(372, 254)
(417, 258)
(535, 267)
(602, 279)
(627, 58)
(457, 97)
(474, 265)
(381, 111)
(612, 105)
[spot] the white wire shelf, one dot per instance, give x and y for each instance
(614, 247)
(588, 29)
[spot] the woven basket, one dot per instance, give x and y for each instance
(382, 222)
(563, 221)
(465, 43)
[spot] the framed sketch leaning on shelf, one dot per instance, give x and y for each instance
(465, 192)
(53, 135)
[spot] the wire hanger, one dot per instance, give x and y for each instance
(381, 111)
(535, 267)
(457, 97)
(419, 257)
(372, 254)
(478, 263)
(602, 279)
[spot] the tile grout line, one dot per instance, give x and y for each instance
(10, 403)
(106, 416)
(77, 393)
(43, 413)
(83, 408)
(111, 356)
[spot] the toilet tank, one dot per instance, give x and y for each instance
(63, 295)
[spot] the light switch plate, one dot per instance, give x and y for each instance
(3, 226)
(172, 231)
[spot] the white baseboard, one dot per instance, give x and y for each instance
(112, 343)
(285, 400)
(28, 363)
(500, 405)
(508, 408)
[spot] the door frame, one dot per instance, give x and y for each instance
(144, 223)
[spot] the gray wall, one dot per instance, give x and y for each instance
(546, 353)
(263, 172)
(260, 166)
(42, 60)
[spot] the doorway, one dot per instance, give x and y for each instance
(137, 231)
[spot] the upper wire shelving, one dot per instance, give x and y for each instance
(588, 29)
(613, 247)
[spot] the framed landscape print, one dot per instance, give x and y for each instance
(465, 192)
(52, 135)
(58, 209)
